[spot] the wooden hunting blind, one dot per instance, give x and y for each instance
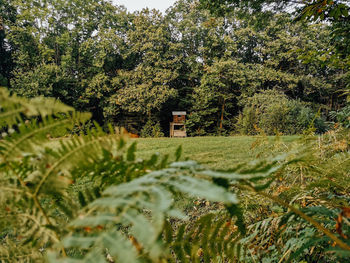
(177, 126)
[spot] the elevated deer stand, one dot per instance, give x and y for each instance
(177, 127)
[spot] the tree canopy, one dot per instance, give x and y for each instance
(205, 57)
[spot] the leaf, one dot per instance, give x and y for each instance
(91, 221)
(131, 152)
(80, 242)
(237, 211)
(119, 247)
(168, 232)
(202, 188)
(178, 153)
(184, 165)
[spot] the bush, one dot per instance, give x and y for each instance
(342, 116)
(272, 111)
(152, 129)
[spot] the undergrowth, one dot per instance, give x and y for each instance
(92, 200)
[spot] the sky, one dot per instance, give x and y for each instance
(133, 5)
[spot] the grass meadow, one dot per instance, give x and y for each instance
(214, 152)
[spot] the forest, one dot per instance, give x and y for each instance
(133, 69)
(263, 175)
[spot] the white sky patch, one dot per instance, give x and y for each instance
(137, 5)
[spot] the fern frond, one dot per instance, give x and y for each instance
(71, 153)
(11, 107)
(36, 178)
(295, 237)
(11, 251)
(212, 236)
(139, 209)
(32, 135)
(154, 194)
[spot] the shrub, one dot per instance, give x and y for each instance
(152, 129)
(342, 116)
(196, 126)
(271, 111)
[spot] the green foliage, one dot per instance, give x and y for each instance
(121, 205)
(318, 187)
(6, 63)
(313, 9)
(152, 129)
(205, 237)
(42, 187)
(223, 7)
(45, 80)
(269, 60)
(332, 10)
(333, 54)
(147, 86)
(141, 207)
(90, 199)
(342, 116)
(272, 112)
(120, 66)
(266, 235)
(12, 107)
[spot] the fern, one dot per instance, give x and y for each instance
(314, 189)
(35, 179)
(38, 182)
(212, 236)
(90, 200)
(289, 238)
(120, 207)
(140, 210)
(13, 107)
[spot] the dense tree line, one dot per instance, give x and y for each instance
(135, 68)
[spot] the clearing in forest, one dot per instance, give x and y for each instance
(214, 152)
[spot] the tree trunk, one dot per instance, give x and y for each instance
(222, 114)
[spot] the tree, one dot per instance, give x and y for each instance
(313, 9)
(221, 8)
(148, 84)
(79, 40)
(217, 97)
(7, 15)
(265, 55)
(97, 57)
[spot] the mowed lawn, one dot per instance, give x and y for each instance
(213, 152)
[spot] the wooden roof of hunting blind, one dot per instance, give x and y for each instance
(179, 112)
